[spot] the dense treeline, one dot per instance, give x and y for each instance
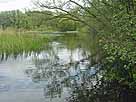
(35, 20)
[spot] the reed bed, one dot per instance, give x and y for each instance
(12, 42)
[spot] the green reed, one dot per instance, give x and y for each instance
(13, 42)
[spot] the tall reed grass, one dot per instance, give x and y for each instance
(12, 42)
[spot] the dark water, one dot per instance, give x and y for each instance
(49, 76)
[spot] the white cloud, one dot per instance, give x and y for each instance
(6, 5)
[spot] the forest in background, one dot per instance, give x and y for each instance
(35, 20)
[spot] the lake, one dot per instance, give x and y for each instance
(46, 76)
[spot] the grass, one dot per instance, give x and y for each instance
(12, 42)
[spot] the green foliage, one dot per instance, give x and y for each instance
(112, 27)
(36, 20)
(12, 42)
(67, 25)
(115, 27)
(30, 20)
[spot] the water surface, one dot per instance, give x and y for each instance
(48, 76)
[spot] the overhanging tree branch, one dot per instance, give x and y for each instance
(73, 17)
(88, 11)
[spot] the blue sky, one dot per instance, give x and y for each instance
(6, 5)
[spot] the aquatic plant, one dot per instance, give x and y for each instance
(12, 42)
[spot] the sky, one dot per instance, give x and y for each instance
(6, 5)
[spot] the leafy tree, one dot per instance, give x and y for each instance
(112, 23)
(66, 25)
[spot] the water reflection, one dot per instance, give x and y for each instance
(53, 73)
(62, 70)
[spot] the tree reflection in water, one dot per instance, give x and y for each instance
(62, 75)
(76, 77)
